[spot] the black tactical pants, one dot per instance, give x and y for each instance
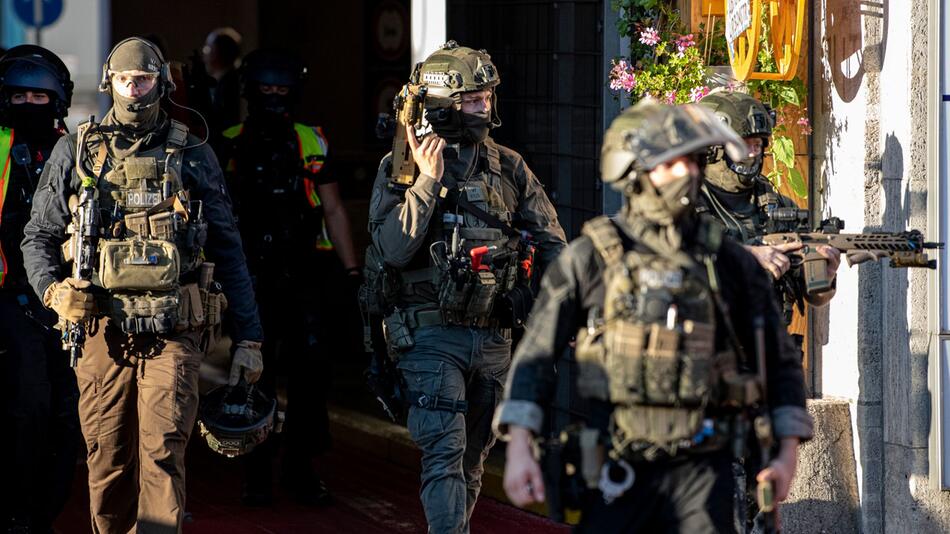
(451, 364)
(40, 421)
(689, 494)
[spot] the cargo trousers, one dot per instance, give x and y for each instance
(446, 365)
(138, 400)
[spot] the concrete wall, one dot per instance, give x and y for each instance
(871, 115)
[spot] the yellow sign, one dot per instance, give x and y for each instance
(786, 23)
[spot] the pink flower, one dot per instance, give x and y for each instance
(649, 37)
(683, 42)
(805, 125)
(622, 76)
(671, 97)
(697, 93)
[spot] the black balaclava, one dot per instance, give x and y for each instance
(33, 122)
(457, 127)
(139, 115)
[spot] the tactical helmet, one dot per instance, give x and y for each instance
(452, 70)
(650, 133)
(235, 419)
(271, 67)
(745, 114)
(34, 67)
(749, 118)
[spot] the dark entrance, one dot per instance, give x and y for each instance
(550, 57)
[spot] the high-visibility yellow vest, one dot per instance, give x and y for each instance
(6, 146)
(312, 145)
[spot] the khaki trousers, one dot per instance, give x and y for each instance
(138, 400)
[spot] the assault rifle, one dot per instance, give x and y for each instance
(904, 249)
(83, 244)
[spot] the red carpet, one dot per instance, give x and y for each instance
(371, 496)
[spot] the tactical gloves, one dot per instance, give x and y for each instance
(247, 358)
(69, 301)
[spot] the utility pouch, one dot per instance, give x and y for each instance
(657, 424)
(397, 333)
(592, 380)
(696, 363)
(661, 364)
(512, 308)
(139, 264)
(624, 342)
(380, 284)
(141, 313)
(136, 224)
(191, 244)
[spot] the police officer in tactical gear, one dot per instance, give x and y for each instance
(39, 391)
(288, 206)
(160, 208)
(663, 308)
(735, 195)
(453, 244)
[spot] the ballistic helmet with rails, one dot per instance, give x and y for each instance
(235, 419)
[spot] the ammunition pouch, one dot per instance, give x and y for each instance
(467, 297)
(200, 307)
(145, 313)
(138, 264)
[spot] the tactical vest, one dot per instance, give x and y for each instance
(6, 146)
(446, 279)
(153, 239)
(650, 350)
(312, 147)
(744, 227)
(748, 226)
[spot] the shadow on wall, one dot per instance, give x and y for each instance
(893, 412)
(847, 52)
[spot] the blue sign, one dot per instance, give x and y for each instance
(51, 10)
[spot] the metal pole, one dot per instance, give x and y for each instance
(38, 20)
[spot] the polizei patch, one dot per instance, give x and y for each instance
(142, 199)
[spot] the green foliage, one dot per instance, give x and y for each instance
(670, 74)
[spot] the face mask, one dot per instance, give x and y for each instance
(475, 127)
(666, 205)
(273, 104)
(721, 175)
(33, 122)
(457, 127)
(746, 170)
(137, 114)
